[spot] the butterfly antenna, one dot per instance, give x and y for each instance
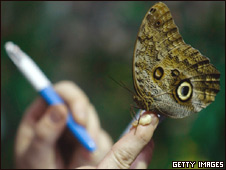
(122, 85)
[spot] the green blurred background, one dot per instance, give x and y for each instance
(86, 42)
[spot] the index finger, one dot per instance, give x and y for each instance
(125, 151)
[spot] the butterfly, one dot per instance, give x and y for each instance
(170, 77)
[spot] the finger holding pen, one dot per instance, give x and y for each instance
(40, 136)
(40, 82)
(43, 140)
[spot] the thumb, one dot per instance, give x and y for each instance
(47, 130)
(51, 125)
(125, 151)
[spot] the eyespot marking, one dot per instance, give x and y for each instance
(184, 91)
(158, 73)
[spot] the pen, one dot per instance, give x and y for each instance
(41, 84)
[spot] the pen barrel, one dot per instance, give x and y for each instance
(81, 134)
(52, 98)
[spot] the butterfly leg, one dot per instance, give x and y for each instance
(132, 112)
(140, 114)
(137, 121)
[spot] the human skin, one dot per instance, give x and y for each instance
(43, 141)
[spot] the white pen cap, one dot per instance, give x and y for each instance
(27, 66)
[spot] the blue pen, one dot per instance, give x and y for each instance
(40, 82)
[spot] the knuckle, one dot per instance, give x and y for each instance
(123, 158)
(67, 85)
(71, 89)
(64, 83)
(143, 138)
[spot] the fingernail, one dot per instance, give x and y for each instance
(145, 119)
(154, 120)
(56, 116)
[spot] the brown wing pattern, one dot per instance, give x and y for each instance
(169, 75)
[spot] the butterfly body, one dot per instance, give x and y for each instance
(170, 76)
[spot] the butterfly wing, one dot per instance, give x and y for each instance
(170, 76)
(147, 52)
(152, 45)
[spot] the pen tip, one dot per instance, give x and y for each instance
(9, 46)
(91, 146)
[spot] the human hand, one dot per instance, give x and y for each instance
(134, 150)
(43, 142)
